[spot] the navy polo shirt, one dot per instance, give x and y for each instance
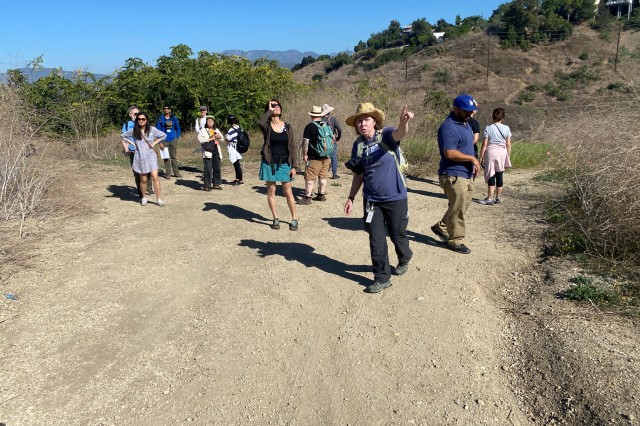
(458, 136)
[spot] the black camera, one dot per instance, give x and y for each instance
(354, 165)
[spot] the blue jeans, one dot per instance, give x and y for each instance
(334, 159)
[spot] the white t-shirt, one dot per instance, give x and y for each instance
(497, 133)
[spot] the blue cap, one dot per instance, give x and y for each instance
(465, 102)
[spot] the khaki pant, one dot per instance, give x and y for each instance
(459, 192)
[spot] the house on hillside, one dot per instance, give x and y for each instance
(408, 29)
(621, 7)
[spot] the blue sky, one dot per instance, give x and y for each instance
(100, 35)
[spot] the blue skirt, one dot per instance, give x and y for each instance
(281, 172)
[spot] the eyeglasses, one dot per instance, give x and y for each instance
(142, 119)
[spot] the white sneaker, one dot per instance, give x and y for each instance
(486, 202)
(160, 203)
(143, 201)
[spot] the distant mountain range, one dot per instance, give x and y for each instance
(286, 59)
(33, 75)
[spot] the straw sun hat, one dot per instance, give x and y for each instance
(366, 108)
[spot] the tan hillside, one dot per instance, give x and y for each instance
(510, 72)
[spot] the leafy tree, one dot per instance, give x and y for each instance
(574, 11)
(421, 33)
(338, 61)
(15, 78)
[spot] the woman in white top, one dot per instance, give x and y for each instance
(232, 149)
(145, 138)
(495, 156)
(210, 138)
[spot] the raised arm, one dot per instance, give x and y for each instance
(403, 126)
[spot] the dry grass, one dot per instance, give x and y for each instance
(27, 171)
(603, 207)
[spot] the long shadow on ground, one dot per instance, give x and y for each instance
(124, 192)
(305, 254)
(188, 183)
(235, 212)
(427, 193)
(355, 224)
(425, 180)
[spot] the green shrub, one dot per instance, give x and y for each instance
(525, 96)
(583, 56)
(442, 76)
(585, 289)
(317, 77)
(338, 61)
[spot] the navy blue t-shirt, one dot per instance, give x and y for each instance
(455, 135)
(382, 181)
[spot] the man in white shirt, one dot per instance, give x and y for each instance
(202, 120)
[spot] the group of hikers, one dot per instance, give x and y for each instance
(376, 161)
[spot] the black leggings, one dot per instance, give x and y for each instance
(496, 180)
(238, 169)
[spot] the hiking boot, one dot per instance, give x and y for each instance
(143, 202)
(240, 183)
(436, 230)
(219, 187)
(160, 203)
(335, 177)
(497, 201)
(304, 200)
(459, 248)
(402, 268)
(320, 197)
(293, 226)
(486, 202)
(275, 224)
(377, 287)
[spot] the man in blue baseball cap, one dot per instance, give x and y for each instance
(458, 168)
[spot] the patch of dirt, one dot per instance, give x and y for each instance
(199, 313)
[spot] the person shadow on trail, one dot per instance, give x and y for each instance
(235, 212)
(355, 224)
(124, 192)
(305, 254)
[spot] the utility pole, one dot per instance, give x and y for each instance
(615, 63)
(406, 68)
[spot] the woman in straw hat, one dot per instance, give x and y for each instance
(374, 160)
(279, 160)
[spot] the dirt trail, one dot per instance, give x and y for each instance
(199, 313)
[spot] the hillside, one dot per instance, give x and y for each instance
(511, 71)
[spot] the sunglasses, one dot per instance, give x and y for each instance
(141, 119)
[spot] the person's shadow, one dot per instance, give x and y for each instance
(346, 223)
(192, 184)
(124, 192)
(425, 180)
(304, 254)
(235, 212)
(427, 193)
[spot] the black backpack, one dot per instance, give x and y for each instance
(242, 141)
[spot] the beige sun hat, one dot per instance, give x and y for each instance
(316, 111)
(326, 109)
(366, 108)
